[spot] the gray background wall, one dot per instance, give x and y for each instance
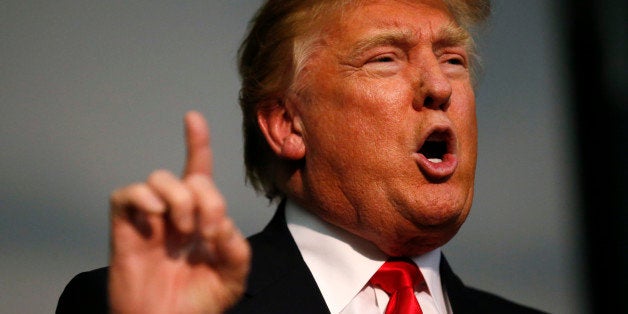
(92, 95)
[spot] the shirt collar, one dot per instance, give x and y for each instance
(343, 263)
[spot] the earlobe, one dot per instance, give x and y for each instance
(293, 147)
(282, 134)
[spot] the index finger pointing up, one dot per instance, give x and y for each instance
(199, 154)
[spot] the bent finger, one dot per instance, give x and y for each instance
(177, 196)
(136, 196)
(132, 206)
(210, 203)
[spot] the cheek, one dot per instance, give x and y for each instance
(463, 115)
(361, 112)
(466, 123)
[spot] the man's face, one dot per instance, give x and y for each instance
(387, 113)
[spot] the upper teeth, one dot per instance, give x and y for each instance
(435, 160)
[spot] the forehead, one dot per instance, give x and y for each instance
(409, 18)
(344, 28)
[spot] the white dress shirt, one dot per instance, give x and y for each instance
(343, 263)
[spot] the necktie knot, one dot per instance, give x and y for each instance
(398, 277)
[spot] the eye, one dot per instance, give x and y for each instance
(455, 59)
(382, 58)
(454, 64)
(383, 64)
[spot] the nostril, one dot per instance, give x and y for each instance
(433, 103)
(428, 102)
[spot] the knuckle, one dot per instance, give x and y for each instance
(209, 196)
(217, 202)
(182, 199)
(157, 176)
(122, 195)
(196, 179)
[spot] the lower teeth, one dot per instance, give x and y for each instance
(435, 160)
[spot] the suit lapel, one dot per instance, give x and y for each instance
(280, 281)
(459, 298)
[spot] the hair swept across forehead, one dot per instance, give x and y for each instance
(278, 43)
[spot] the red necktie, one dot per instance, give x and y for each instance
(398, 277)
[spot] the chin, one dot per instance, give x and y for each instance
(439, 207)
(425, 242)
(411, 239)
(436, 213)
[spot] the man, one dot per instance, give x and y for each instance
(359, 116)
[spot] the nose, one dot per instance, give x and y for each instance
(432, 86)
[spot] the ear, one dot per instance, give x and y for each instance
(282, 131)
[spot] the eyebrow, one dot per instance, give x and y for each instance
(387, 38)
(450, 35)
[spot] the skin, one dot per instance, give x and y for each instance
(386, 76)
(173, 248)
(383, 78)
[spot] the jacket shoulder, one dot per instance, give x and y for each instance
(279, 281)
(469, 300)
(491, 303)
(85, 293)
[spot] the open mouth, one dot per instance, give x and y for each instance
(436, 146)
(436, 155)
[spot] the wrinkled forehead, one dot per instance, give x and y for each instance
(327, 13)
(412, 19)
(316, 21)
(330, 22)
(333, 18)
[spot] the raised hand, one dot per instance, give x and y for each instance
(173, 249)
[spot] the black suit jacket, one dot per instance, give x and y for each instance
(280, 282)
